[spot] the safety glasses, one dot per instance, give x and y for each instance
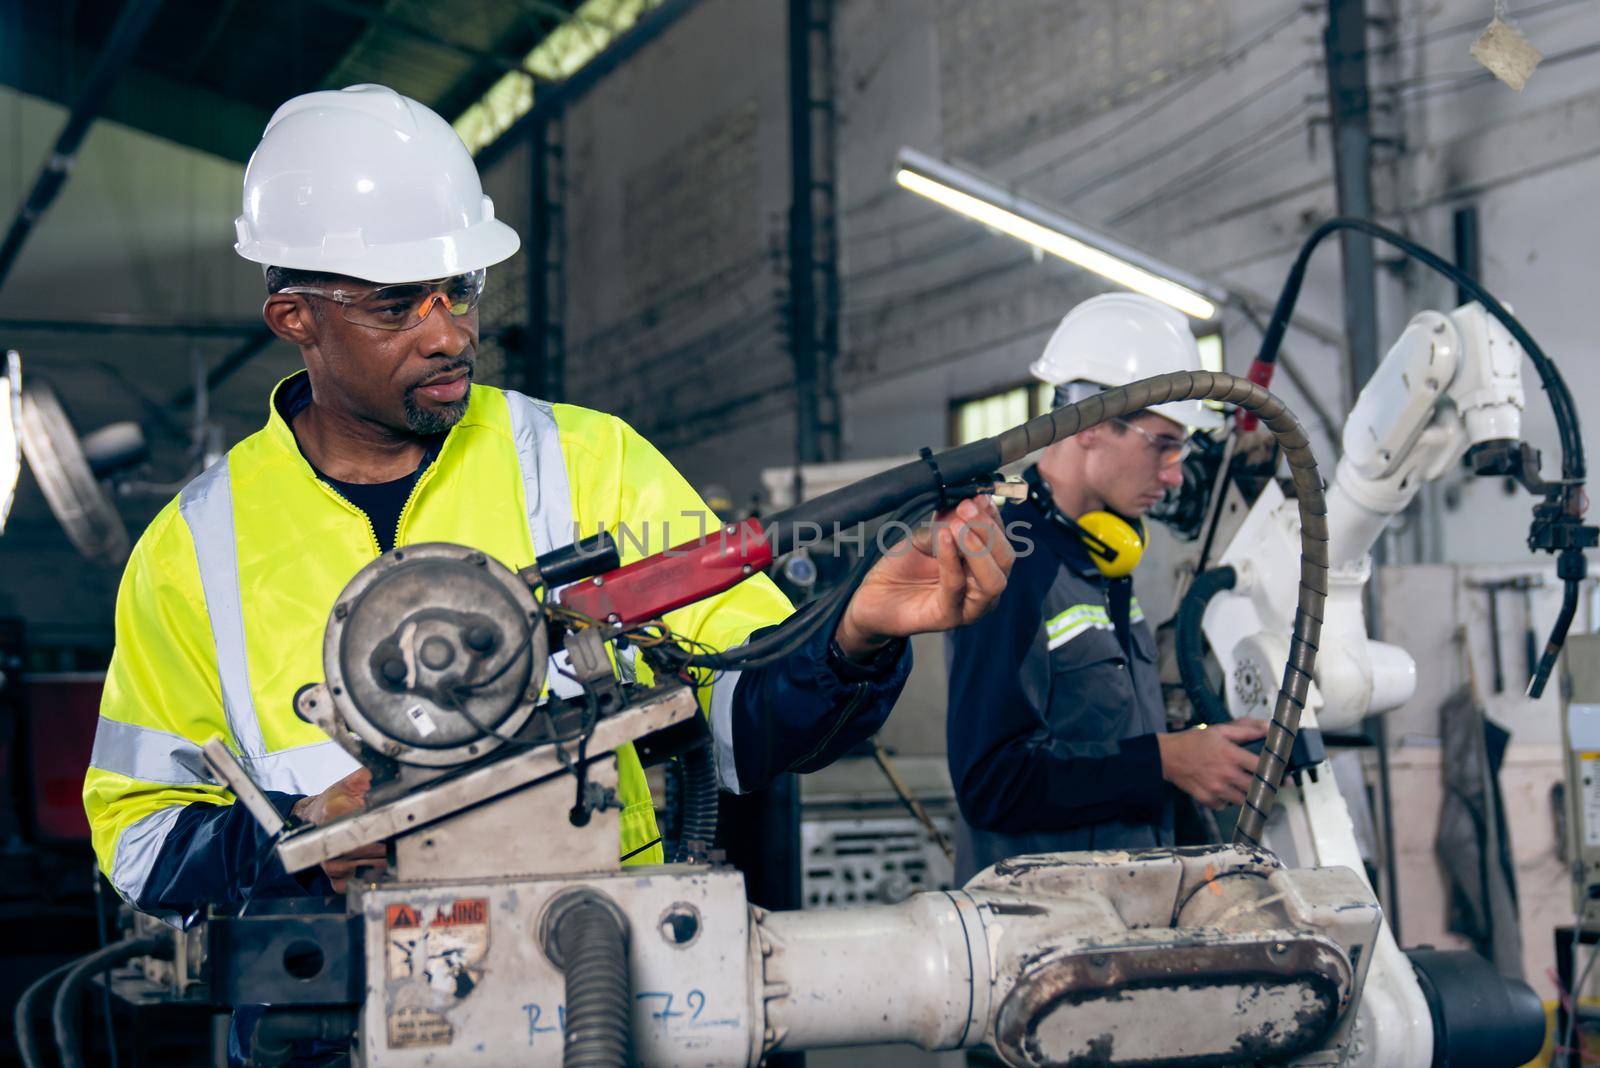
(1168, 449)
(404, 305)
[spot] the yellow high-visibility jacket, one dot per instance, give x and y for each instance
(221, 611)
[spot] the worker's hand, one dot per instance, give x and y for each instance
(347, 795)
(1208, 763)
(949, 576)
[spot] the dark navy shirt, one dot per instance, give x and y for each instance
(1055, 704)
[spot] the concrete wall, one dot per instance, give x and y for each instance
(677, 183)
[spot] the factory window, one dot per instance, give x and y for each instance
(588, 30)
(982, 417)
(1211, 359)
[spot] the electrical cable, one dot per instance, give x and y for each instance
(1236, 154)
(64, 1013)
(261, 859)
(1209, 706)
(1188, 138)
(1577, 988)
(1557, 523)
(22, 1016)
(1179, 90)
(101, 929)
(1230, 158)
(1418, 88)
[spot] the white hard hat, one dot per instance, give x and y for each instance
(370, 184)
(1118, 338)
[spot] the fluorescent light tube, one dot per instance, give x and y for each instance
(999, 209)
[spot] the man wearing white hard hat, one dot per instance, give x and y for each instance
(1057, 728)
(366, 214)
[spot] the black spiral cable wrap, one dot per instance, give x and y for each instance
(1115, 403)
(594, 957)
(1209, 706)
(697, 829)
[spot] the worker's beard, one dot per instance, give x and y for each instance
(436, 418)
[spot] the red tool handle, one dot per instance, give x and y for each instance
(1261, 374)
(649, 588)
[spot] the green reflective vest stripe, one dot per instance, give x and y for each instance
(1079, 618)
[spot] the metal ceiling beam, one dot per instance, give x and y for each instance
(559, 14)
(129, 30)
(560, 94)
(185, 113)
(384, 20)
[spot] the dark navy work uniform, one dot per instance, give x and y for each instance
(1055, 704)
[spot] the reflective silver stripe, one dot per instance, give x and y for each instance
(147, 754)
(549, 502)
(137, 848)
(722, 730)
(305, 769)
(206, 504)
(1067, 625)
(544, 472)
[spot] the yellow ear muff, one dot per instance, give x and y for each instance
(1115, 544)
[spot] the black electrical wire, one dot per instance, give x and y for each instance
(1209, 706)
(64, 1014)
(105, 931)
(22, 1016)
(1567, 496)
(1572, 458)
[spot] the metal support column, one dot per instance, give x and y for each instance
(544, 363)
(762, 833)
(1468, 249)
(1350, 113)
(813, 234)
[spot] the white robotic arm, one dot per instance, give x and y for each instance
(1449, 382)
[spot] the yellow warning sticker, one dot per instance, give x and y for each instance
(434, 953)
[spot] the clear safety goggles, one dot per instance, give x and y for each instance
(404, 305)
(1168, 449)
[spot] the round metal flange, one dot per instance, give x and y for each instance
(84, 509)
(430, 647)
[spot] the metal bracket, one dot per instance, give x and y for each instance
(226, 767)
(475, 786)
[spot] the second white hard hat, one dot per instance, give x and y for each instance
(1118, 338)
(370, 184)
